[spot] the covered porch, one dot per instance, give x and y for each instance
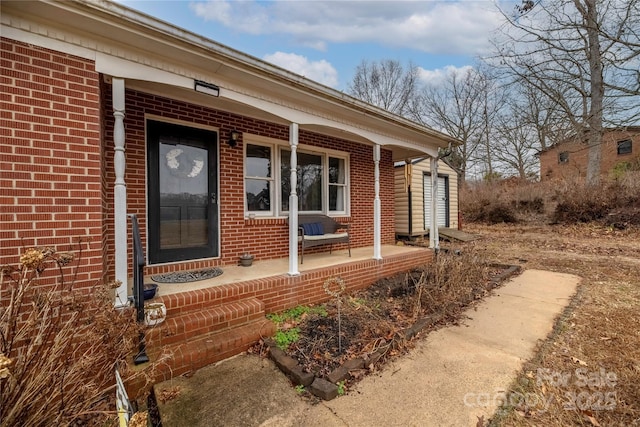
(321, 261)
(211, 320)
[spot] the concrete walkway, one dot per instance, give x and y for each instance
(451, 378)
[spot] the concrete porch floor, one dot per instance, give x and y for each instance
(279, 266)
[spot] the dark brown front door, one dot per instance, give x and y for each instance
(182, 188)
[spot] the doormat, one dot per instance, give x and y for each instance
(187, 276)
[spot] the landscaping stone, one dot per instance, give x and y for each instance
(289, 366)
(343, 372)
(421, 324)
(323, 389)
(298, 376)
(374, 357)
(510, 270)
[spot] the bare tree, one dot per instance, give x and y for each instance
(583, 55)
(463, 105)
(516, 142)
(540, 113)
(385, 84)
(493, 102)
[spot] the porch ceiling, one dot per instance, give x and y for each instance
(399, 153)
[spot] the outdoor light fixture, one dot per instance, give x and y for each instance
(233, 138)
(208, 88)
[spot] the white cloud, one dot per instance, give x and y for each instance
(436, 77)
(452, 27)
(319, 71)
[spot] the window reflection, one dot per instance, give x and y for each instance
(183, 194)
(309, 186)
(258, 181)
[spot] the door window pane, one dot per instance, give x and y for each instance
(183, 194)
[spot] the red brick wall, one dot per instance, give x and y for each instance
(283, 292)
(50, 165)
(266, 238)
(578, 155)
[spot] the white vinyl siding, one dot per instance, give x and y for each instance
(441, 201)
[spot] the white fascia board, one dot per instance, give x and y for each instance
(46, 42)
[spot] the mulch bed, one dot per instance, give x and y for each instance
(375, 324)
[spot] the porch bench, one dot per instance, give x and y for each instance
(316, 230)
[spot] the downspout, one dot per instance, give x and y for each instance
(377, 252)
(293, 202)
(434, 238)
(120, 192)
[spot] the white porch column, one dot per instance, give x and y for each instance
(434, 238)
(293, 202)
(377, 251)
(120, 193)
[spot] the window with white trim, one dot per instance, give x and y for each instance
(259, 179)
(322, 180)
(337, 185)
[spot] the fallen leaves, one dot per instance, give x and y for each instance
(578, 361)
(139, 419)
(168, 394)
(600, 330)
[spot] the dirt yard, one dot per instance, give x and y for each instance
(588, 371)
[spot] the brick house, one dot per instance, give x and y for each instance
(107, 112)
(569, 158)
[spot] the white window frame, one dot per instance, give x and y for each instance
(346, 186)
(273, 180)
(276, 195)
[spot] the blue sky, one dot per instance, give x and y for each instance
(326, 40)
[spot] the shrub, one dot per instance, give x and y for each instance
(483, 202)
(614, 202)
(621, 169)
(578, 202)
(58, 345)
